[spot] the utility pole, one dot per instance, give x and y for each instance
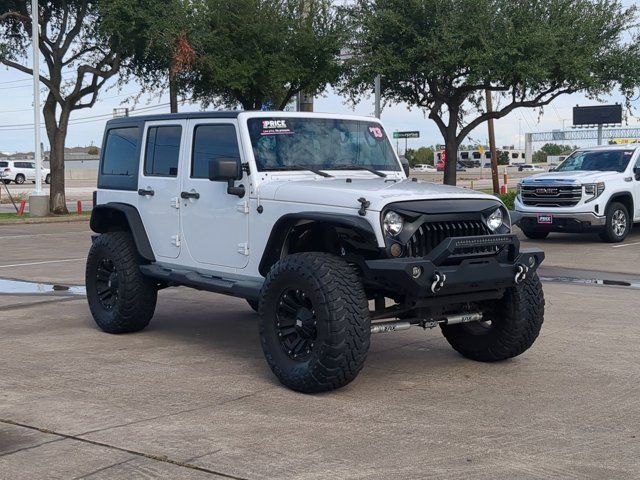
(378, 94)
(492, 147)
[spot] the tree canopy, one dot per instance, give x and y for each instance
(444, 55)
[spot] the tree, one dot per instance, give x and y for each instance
(155, 36)
(551, 149)
(525, 54)
(264, 52)
(78, 61)
(421, 156)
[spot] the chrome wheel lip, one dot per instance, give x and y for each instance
(619, 223)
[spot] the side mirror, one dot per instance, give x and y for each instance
(405, 166)
(552, 169)
(227, 170)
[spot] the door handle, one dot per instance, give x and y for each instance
(144, 192)
(194, 195)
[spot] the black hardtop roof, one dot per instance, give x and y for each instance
(138, 119)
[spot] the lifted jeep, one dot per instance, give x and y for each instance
(313, 221)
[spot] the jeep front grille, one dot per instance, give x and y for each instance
(431, 234)
(551, 196)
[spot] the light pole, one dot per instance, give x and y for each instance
(38, 203)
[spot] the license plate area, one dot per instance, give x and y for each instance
(545, 219)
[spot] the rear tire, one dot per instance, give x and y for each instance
(121, 299)
(20, 179)
(535, 235)
(314, 322)
(618, 224)
(516, 321)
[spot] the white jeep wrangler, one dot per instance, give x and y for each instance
(593, 190)
(312, 219)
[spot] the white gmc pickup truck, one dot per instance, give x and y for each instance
(594, 189)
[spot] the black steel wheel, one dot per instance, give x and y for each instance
(296, 323)
(107, 283)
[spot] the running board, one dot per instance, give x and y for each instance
(238, 288)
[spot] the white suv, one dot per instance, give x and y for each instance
(313, 221)
(20, 171)
(593, 189)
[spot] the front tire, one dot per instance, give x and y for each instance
(20, 179)
(618, 224)
(121, 299)
(513, 325)
(314, 322)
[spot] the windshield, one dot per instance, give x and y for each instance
(596, 160)
(320, 144)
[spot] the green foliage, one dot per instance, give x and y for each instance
(442, 55)
(551, 149)
(508, 199)
(539, 156)
(257, 51)
(423, 156)
(502, 157)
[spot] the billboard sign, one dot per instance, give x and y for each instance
(597, 115)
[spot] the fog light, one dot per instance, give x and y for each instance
(416, 271)
(396, 250)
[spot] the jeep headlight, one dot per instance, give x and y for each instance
(495, 220)
(393, 223)
(593, 190)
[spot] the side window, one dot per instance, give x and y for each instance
(4, 164)
(162, 151)
(120, 153)
(212, 141)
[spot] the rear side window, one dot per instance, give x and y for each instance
(121, 152)
(4, 164)
(162, 151)
(209, 142)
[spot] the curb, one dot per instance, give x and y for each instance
(35, 221)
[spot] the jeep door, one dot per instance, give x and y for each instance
(159, 185)
(215, 224)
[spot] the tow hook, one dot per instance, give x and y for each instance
(437, 282)
(521, 273)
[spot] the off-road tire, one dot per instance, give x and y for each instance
(515, 324)
(254, 304)
(135, 295)
(535, 234)
(47, 179)
(341, 316)
(20, 178)
(609, 233)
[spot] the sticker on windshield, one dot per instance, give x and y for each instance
(275, 127)
(376, 132)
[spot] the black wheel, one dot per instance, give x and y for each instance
(254, 304)
(510, 327)
(618, 224)
(6, 182)
(121, 299)
(314, 322)
(47, 179)
(535, 234)
(19, 179)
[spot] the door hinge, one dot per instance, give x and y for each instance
(243, 249)
(175, 202)
(243, 206)
(175, 240)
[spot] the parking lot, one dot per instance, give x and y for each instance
(192, 397)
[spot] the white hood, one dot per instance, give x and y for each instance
(580, 176)
(379, 191)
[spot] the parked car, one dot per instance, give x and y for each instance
(469, 163)
(593, 190)
(529, 167)
(20, 171)
(424, 168)
(266, 206)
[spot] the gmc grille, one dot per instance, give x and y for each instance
(431, 234)
(551, 196)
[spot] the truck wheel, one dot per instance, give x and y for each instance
(512, 325)
(19, 179)
(254, 304)
(314, 324)
(121, 299)
(535, 235)
(47, 179)
(618, 225)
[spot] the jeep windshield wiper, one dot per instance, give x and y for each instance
(298, 169)
(358, 167)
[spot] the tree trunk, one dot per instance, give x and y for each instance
(451, 152)
(56, 132)
(173, 93)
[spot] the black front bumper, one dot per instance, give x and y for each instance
(449, 270)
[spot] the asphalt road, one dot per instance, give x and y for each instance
(192, 397)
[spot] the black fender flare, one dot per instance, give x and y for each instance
(284, 224)
(616, 197)
(112, 216)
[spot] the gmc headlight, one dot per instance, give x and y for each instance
(495, 220)
(518, 189)
(593, 190)
(393, 223)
